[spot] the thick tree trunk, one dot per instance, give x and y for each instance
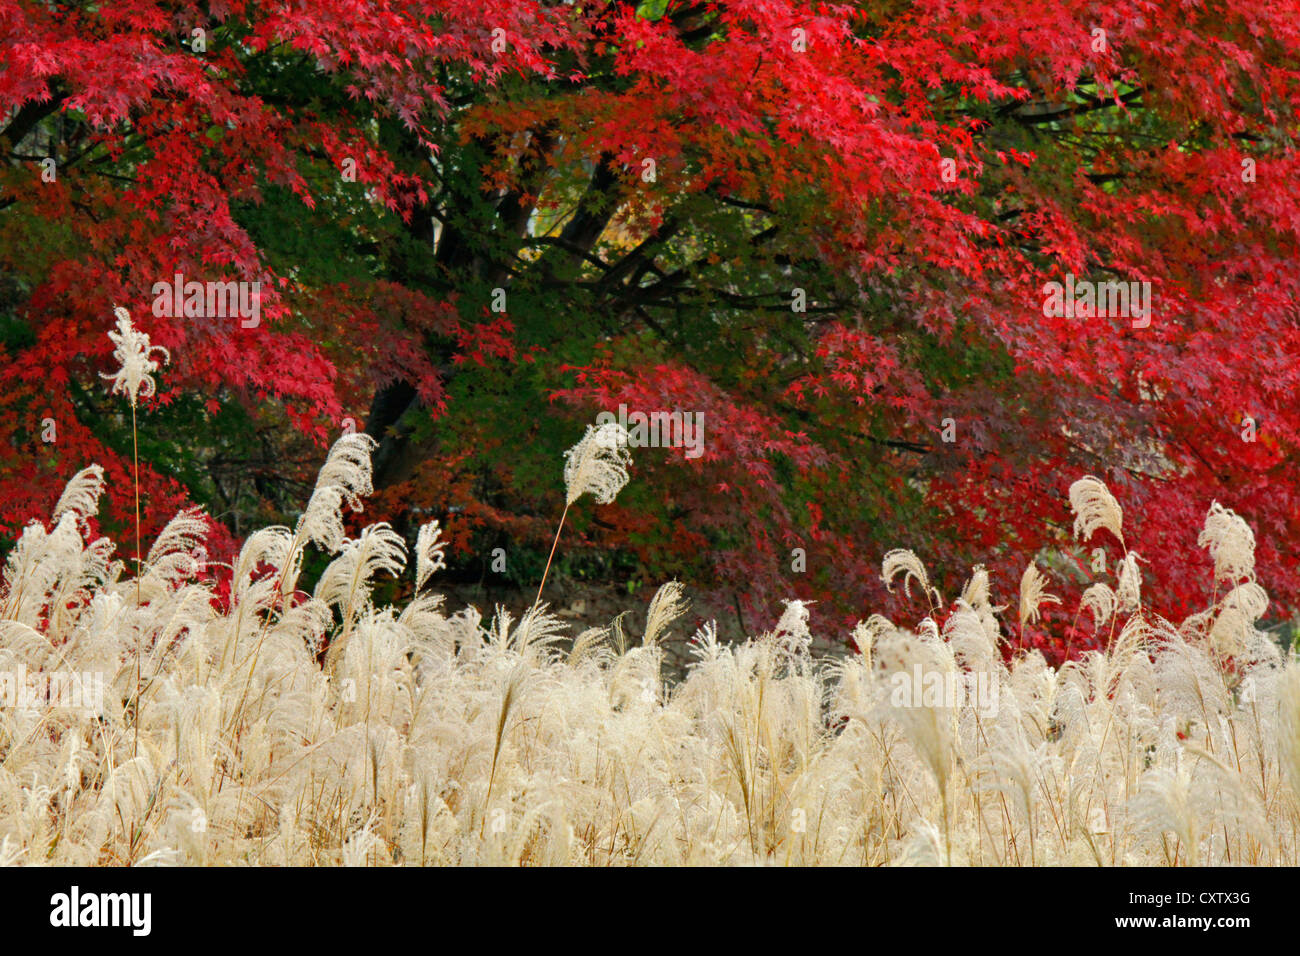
(384, 424)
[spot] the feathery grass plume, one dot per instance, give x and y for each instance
(972, 645)
(925, 847)
(430, 553)
(1191, 683)
(267, 546)
(618, 633)
(498, 633)
(346, 581)
(1231, 544)
(512, 689)
(135, 359)
(69, 585)
(597, 465)
(866, 633)
(793, 639)
(81, 494)
(1100, 600)
(668, 604)
(1014, 766)
(1033, 594)
(1196, 800)
(1164, 805)
(978, 595)
(1128, 594)
(927, 630)
(930, 726)
(1095, 507)
(344, 479)
(358, 846)
(537, 629)
(1233, 631)
(976, 592)
(587, 644)
(704, 642)
(901, 560)
(176, 554)
(429, 626)
(635, 679)
(58, 562)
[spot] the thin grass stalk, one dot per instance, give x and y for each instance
(547, 569)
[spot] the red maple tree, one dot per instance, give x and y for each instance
(828, 227)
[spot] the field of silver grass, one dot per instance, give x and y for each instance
(140, 724)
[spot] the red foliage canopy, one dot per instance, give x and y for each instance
(939, 162)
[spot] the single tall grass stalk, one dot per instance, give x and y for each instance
(597, 465)
(134, 377)
(139, 564)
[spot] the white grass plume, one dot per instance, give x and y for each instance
(791, 631)
(430, 553)
(905, 562)
(668, 604)
(343, 480)
(347, 581)
(587, 645)
(597, 465)
(1100, 600)
(1095, 508)
(81, 494)
(1128, 593)
(1231, 544)
(1033, 594)
(177, 553)
(135, 358)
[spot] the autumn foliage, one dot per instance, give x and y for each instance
(826, 227)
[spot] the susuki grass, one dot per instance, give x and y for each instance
(275, 727)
